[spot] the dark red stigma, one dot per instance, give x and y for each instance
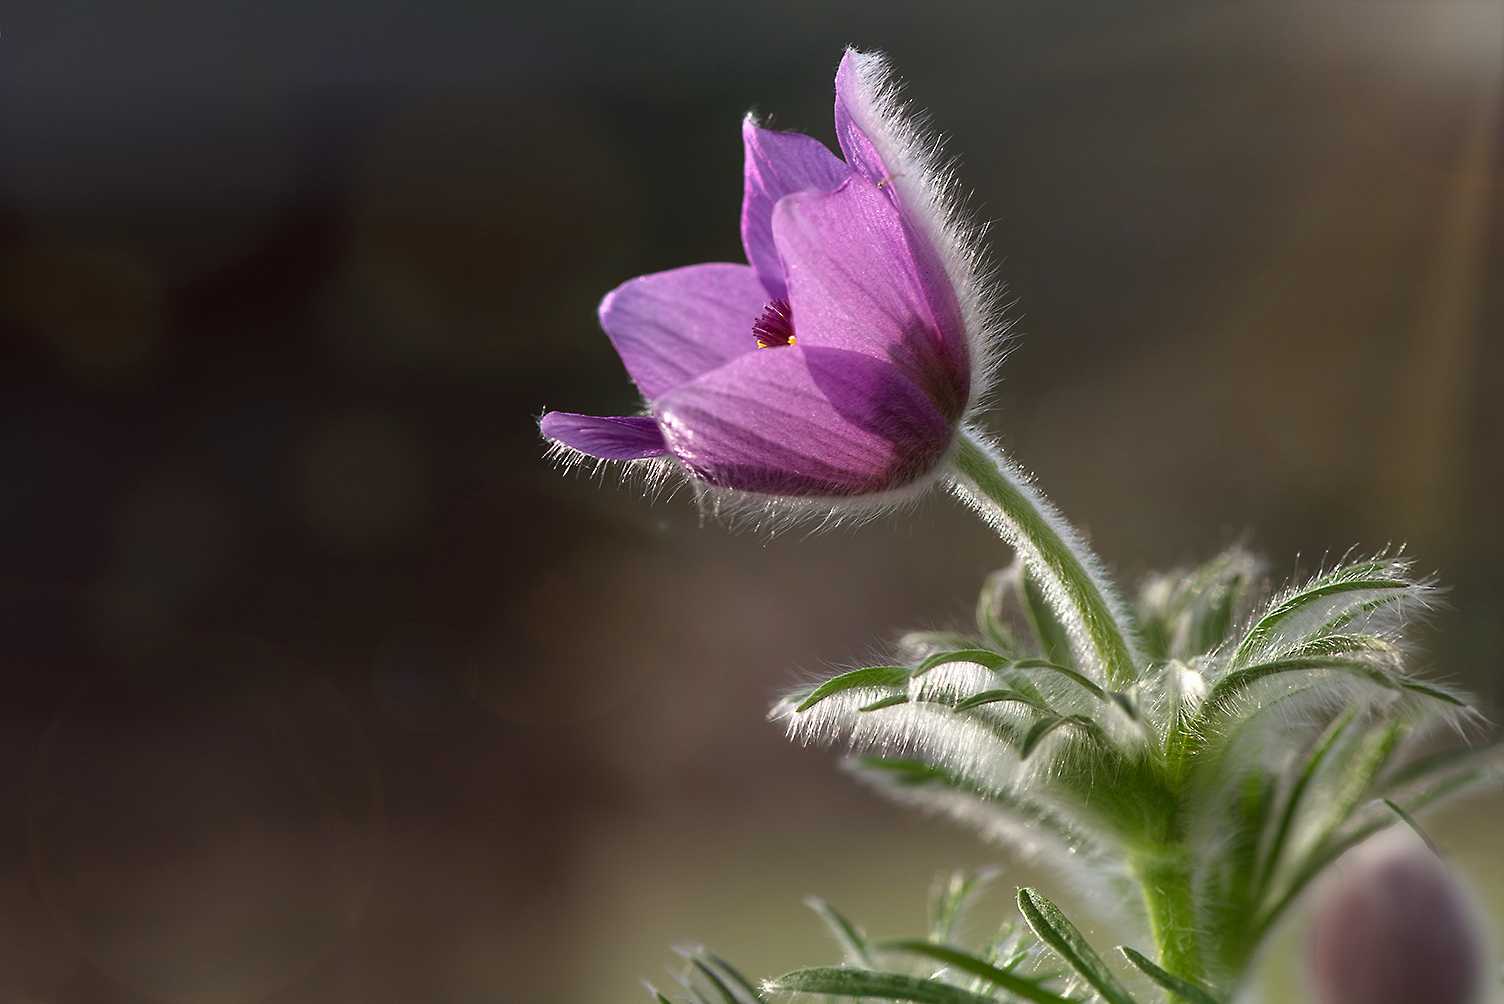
(775, 327)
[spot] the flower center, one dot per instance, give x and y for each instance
(775, 328)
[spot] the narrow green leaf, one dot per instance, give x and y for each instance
(1341, 644)
(1451, 786)
(1071, 674)
(1440, 695)
(850, 937)
(951, 895)
(1308, 870)
(996, 696)
(1234, 681)
(886, 702)
(1009, 803)
(656, 994)
(733, 988)
(1410, 821)
(979, 656)
(1049, 632)
(1193, 992)
(1318, 589)
(906, 771)
(1055, 930)
(734, 975)
(872, 676)
(1044, 726)
(846, 981)
(1292, 803)
(1439, 764)
(989, 614)
(1126, 702)
(936, 641)
(1037, 732)
(1022, 986)
(1356, 770)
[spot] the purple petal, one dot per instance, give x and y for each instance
(861, 280)
(670, 327)
(857, 80)
(805, 421)
(779, 164)
(630, 437)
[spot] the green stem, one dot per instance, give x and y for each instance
(1164, 874)
(1074, 580)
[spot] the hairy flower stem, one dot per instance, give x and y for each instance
(985, 479)
(1164, 874)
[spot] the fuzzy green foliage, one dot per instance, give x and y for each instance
(1255, 742)
(1044, 960)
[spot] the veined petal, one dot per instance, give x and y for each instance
(779, 164)
(857, 122)
(670, 327)
(628, 437)
(805, 421)
(861, 280)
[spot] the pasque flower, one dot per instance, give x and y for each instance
(843, 358)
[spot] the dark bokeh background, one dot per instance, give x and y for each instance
(319, 684)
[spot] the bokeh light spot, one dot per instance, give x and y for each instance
(100, 310)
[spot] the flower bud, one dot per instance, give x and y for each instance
(1396, 930)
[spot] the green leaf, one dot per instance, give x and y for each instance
(850, 937)
(1236, 680)
(935, 641)
(734, 976)
(1037, 732)
(951, 895)
(1050, 634)
(1055, 930)
(1022, 986)
(872, 676)
(1071, 674)
(657, 994)
(1292, 803)
(1440, 695)
(989, 614)
(1342, 644)
(846, 981)
(733, 987)
(1193, 992)
(979, 656)
(1044, 726)
(906, 771)
(997, 696)
(1308, 870)
(1004, 802)
(1321, 588)
(1410, 821)
(1356, 766)
(1126, 702)
(1440, 764)
(1450, 786)
(886, 702)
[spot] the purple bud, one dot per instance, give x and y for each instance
(1396, 930)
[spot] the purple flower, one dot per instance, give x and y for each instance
(1396, 931)
(842, 360)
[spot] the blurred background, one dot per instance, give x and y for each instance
(320, 685)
